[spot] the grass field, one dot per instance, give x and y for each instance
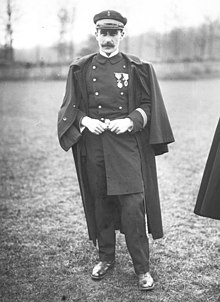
(45, 253)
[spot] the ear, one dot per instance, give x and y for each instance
(96, 35)
(122, 35)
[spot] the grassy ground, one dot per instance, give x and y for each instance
(45, 253)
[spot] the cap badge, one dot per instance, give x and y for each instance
(108, 13)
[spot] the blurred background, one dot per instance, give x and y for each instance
(45, 252)
(41, 38)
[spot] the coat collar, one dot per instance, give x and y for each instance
(81, 61)
(113, 60)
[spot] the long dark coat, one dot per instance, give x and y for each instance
(152, 140)
(208, 199)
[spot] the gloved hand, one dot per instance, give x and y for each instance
(94, 125)
(121, 125)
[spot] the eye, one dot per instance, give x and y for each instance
(103, 32)
(113, 32)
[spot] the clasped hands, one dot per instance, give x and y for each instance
(117, 126)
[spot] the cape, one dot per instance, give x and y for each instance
(152, 140)
(208, 199)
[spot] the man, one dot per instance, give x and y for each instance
(114, 118)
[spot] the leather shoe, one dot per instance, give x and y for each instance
(145, 282)
(100, 269)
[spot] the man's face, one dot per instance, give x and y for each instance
(109, 39)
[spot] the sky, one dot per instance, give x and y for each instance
(37, 23)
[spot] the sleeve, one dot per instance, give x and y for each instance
(68, 133)
(80, 115)
(141, 115)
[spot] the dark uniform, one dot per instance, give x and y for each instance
(116, 172)
(113, 161)
(108, 100)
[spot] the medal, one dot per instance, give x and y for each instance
(121, 77)
(125, 79)
(118, 77)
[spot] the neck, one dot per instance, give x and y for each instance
(112, 54)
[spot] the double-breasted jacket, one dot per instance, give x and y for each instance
(152, 140)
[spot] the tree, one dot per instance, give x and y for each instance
(90, 46)
(9, 50)
(201, 41)
(63, 19)
(211, 25)
(175, 42)
(9, 14)
(65, 47)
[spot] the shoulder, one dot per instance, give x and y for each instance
(136, 60)
(81, 61)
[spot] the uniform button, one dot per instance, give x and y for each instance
(99, 106)
(124, 66)
(96, 93)
(94, 79)
(64, 118)
(93, 67)
(122, 93)
(120, 107)
(74, 105)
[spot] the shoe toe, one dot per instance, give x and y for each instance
(100, 269)
(145, 282)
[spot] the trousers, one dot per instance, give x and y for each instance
(130, 207)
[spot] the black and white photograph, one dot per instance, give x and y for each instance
(109, 151)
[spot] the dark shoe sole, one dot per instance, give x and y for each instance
(147, 288)
(98, 277)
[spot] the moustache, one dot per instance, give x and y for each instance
(108, 44)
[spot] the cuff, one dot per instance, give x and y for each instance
(137, 119)
(79, 117)
(144, 116)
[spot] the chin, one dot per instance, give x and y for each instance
(108, 50)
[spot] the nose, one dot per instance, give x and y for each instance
(108, 36)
